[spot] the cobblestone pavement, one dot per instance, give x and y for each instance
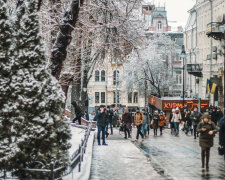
(121, 160)
(180, 157)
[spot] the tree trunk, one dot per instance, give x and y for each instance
(64, 37)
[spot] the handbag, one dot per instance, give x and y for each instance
(221, 151)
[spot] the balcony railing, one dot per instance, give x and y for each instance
(194, 69)
(215, 30)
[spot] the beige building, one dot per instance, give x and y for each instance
(104, 85)
(204, 54)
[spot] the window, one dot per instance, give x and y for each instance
(96, 97)
(135, 97)
(159, 25)
(116, 77)
(102, 75)
(102, 97)
(130, 97)
(96, 76)
(130, 73)
(118, 97)
(178, 77)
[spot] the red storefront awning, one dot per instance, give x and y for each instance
(169, 103)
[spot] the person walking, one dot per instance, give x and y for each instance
(162, 120)
(170, 121)
(138, 121)
(126, 122)
(214, 116)
(110, 119)
(207, 130)
(188, 122)
(222, 137)
(155, 122)
(195, 117)
(145, 123)
(78, 113)
(101, 118)
(176, 119)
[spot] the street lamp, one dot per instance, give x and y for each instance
(183, 56)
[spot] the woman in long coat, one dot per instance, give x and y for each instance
(207, 130)
(126, 121)
(162, 120)
(155, 122)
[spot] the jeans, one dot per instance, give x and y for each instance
(195, 131)
(101, 129)
(176, 127)
(144, 129)
(107, 126)
(139, 132)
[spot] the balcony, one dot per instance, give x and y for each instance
(194, 69)
(215, 30)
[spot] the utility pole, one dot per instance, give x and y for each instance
(116, 83)
(183, 55)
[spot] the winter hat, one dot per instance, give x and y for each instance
(156, 111)
(101, 106)
(177, 109)
(206, 115)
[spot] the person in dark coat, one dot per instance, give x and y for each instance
(170, 120)
(207, 130)
(188, 122)
(219, 114)
(78, 112)
(101, 118)
(126, 122)
(214, 116)
(222, 136)
(195, 117)
(155, 122)
(110, 119)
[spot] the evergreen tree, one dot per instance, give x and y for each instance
(7, 109)
(39, 133)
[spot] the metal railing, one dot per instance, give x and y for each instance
(59, 172)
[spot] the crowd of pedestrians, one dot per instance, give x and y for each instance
(204, 126)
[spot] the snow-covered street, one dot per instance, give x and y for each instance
(180, 157)
(121, 159)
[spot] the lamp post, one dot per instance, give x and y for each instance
(183, 55)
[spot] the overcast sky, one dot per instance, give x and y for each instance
(176, 10)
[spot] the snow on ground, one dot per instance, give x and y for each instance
(77, 135)
(86, 164)
(121, 159)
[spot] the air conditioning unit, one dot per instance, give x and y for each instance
(214, 48)
(214, 56)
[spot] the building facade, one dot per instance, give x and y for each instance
(156, 22)
(204, 53)
(106, 83)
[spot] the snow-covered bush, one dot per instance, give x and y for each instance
(33, 99)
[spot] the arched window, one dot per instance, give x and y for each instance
(116, 77)
(97, 76)
(159, 25)
(102, 75)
